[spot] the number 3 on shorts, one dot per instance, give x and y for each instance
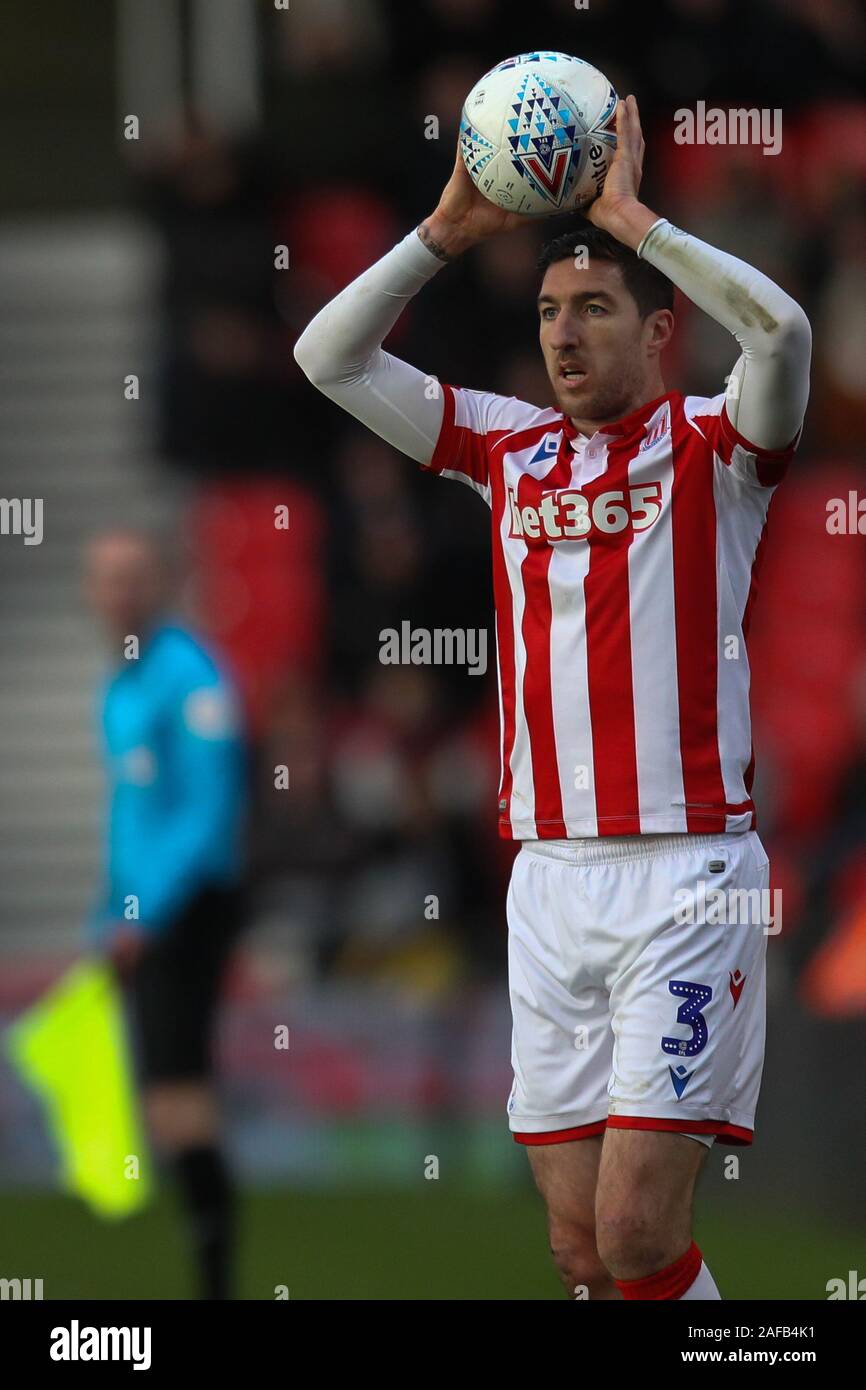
(694, 997)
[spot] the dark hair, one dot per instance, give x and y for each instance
(647, 286)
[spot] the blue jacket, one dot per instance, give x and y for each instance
(176, 772)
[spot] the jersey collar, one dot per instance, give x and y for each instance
(629, 424)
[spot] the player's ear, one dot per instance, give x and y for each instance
(659, 328)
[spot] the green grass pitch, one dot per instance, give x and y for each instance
(427, 1243)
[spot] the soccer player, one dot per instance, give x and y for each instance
(627, 523)
(171, 912)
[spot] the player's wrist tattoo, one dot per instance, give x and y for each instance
(433, 245)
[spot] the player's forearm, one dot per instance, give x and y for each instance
(341, 353)
(732, 292)
(338, 344)
(629, 220)
(445, 239)
(772, 330)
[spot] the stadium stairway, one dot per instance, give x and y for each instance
(77, 313)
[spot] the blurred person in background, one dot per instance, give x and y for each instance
(174, 757)
(222, 397)
(300, 846)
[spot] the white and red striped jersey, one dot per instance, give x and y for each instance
(624, 576)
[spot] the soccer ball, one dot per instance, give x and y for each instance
(537, 133)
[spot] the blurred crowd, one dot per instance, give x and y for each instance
(383, 856)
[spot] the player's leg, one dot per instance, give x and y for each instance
(566, 1176)
(561, 1054)
(644, 1204)
(687, 1005)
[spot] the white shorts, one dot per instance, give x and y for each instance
(637, 982)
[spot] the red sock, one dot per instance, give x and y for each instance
(670, 1282)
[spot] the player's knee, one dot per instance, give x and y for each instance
(582, 1272)
(632, 1241)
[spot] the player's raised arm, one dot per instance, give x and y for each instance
(341, 348)
(769, 400)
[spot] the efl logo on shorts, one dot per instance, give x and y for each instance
(568, 515)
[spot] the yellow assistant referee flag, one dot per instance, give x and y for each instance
(71, 1047)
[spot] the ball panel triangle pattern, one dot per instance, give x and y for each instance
(476, 150)
(543, 130)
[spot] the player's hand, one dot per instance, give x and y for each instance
(624, 175)
(124, 948)
(464, 216)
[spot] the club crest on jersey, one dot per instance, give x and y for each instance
(567, 514)
(657, 429)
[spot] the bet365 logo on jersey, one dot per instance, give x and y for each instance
(568, 515)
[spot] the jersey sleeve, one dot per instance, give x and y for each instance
(472, 423)
(751, 464)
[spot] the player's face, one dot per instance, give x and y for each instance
(594, 341)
